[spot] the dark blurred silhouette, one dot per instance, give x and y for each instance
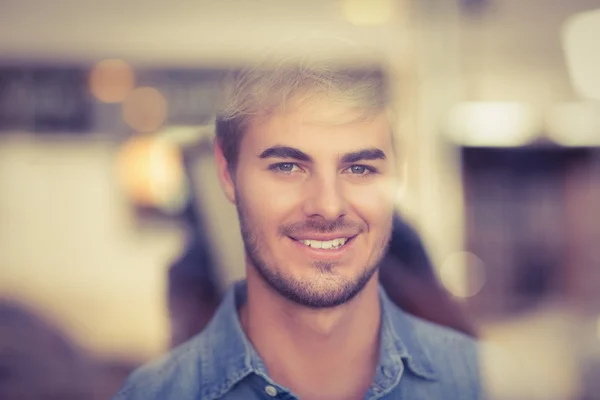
(37, 361)
(408, 277)
(406, 274)
(193, 291)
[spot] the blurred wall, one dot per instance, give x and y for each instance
(70, 247)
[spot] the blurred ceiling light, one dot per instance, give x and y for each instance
(580, 35)
(111, 80)
(145, 109)
(150, 171)
(492, 124)
(463, 274)
(574, 124)
(368, 12)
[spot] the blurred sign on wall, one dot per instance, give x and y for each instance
(45, 99)
(59, 98)
(190, 93)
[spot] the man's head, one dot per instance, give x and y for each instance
(304, 150)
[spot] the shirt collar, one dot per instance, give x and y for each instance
(227, 356)
(399, 340)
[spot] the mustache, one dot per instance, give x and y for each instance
(320, 226)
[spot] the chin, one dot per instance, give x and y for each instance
(319, 289)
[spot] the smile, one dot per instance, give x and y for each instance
(332, 244)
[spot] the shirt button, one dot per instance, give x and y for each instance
(271, 391)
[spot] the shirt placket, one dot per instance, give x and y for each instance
(386, 379)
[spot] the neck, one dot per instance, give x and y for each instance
(333, 351)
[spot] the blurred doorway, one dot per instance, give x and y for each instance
(528, 216)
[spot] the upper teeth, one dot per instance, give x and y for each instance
(329, 244)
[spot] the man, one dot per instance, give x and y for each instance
(305, 152)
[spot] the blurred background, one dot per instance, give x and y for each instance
(106, 176)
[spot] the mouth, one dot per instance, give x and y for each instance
(331, 244)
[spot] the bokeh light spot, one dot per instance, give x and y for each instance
(111, 80)
(145, 109)
(463, 274)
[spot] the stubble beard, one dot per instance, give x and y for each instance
(330, 291)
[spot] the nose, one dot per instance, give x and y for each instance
(324, 198)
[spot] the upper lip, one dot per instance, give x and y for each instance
(324, 238)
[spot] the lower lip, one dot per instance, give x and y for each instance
(325, 253)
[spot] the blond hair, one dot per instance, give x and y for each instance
(271, 85)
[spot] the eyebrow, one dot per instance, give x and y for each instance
(362, 155)
(285, 152)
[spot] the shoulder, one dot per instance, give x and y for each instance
(440, 337)
(200, 367)
(450, 358)
(430, 338)
(453, 355)
(176, 374)
(439, 340)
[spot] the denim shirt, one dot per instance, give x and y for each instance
(417, 361)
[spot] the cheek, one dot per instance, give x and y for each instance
(374, 202)
(270, 201)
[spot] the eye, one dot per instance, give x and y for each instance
(360, 170)
(286, 168)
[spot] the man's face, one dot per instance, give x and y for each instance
(313, 190)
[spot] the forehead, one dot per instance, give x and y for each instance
(321, 124)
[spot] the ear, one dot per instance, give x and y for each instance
(225, 178)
